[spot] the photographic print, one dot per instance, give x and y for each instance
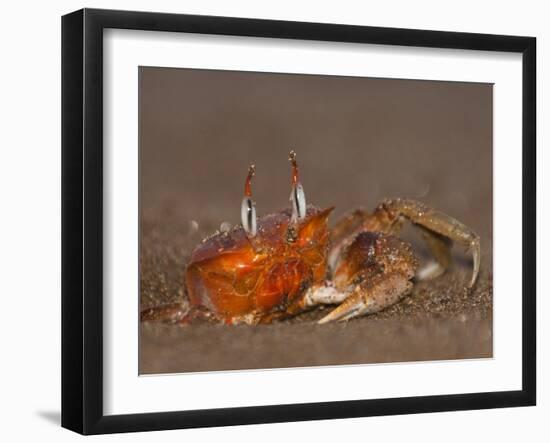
(292, 220)
(296, 219)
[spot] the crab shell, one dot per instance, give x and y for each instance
(235, 277)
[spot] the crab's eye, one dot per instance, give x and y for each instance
(298, 199)
(248, 207)
(297, 195)
(248, 216)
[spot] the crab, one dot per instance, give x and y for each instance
(288, 262)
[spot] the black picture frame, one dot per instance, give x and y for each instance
(82, 220)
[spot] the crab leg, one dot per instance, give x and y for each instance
(440, 225)
(440, 247)
(438, 229)
(174, 313)
(169, 313)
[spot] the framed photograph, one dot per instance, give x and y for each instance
(268, 221)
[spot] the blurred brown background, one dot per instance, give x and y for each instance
(358, 140)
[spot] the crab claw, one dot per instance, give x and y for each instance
(351, 307)
(372, 296)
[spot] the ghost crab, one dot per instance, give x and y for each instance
(288, 262)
